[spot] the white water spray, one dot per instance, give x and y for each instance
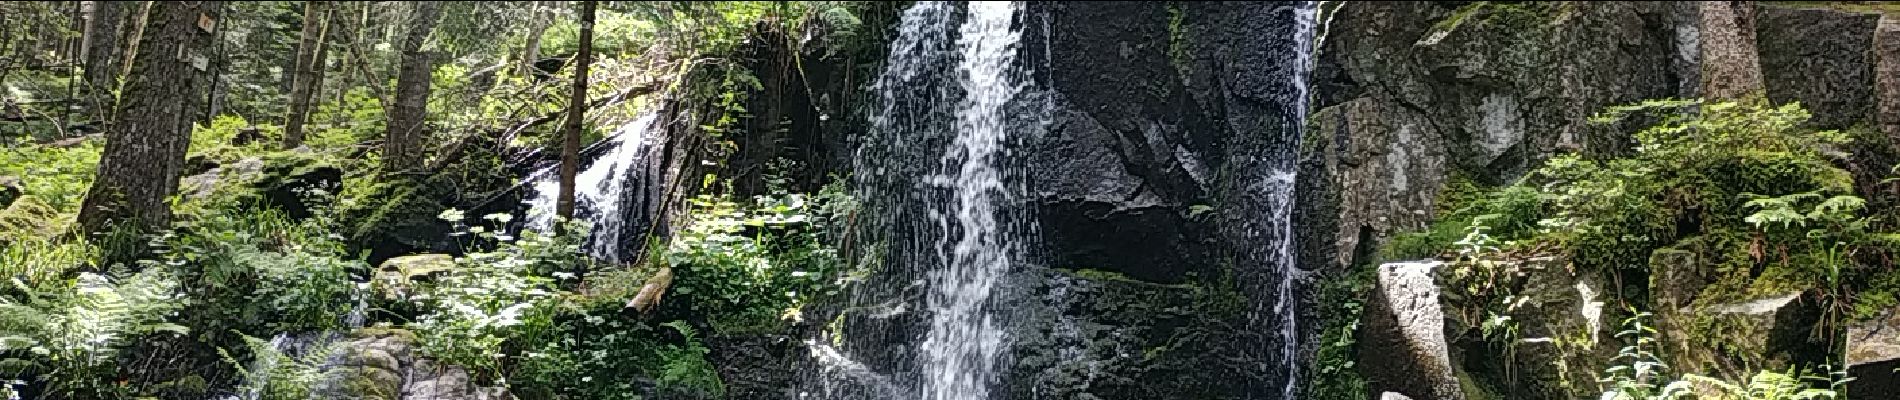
(962, 348)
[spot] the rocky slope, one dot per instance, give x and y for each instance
(1417, 97)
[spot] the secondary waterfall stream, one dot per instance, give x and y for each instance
(1281, 178)
(599, 190)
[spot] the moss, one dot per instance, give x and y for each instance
(1177, 40)
(363, 383)
(383, 331)
(1473, 390)
(1112, 276)
(1881, 294)
(1457, 18)
(1868, 7)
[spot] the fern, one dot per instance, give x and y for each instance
(76, 331)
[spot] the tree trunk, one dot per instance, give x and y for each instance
(403, 149)
(353, 49)
(134, 34)
(145, 152)
(102, 48)
(576, 113)
(316, 25)
(532, 52)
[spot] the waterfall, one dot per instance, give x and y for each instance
(599, 189)
(938, 177)
(962, 347)
(1279, 179)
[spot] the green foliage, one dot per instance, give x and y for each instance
(358, 118)
(1640, 376)
(69, 334)
(282, 377)
(1725, 166)
(616, 33)
(684, 365)
(747, 266)
(492, 297)
(1639, 373)
(1508, 214)
(1744, 187)
(215, 143)
(1334, 374)
(55, 177)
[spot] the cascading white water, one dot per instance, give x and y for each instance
(961, 349)
(599, 189)
(1279, 184)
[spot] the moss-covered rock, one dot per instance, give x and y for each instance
(9, 191)
(1105, 336)
(384, 364)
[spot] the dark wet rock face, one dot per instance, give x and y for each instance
(1127, 152)
(1821, 59)
(1113, 337)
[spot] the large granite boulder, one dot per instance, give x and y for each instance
(384, 364)
(1873, 356)
(1402, 346)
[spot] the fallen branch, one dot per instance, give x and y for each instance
(592, 104)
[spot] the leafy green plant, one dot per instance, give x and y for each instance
(280, 376)
(1334, 374)
(1638, 373)
(493, 297)
(1640, 376)
(748, 266)
(69, 335)
(684, 365)
(55, 177)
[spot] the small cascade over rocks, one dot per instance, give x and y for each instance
(302, 346)
(600, 190)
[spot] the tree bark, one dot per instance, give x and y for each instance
(576, 113)
(145, 150)
(353, 51)
(532, 52)
(102, 47)
(403, 149)
(134, 34)
(310, 46)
